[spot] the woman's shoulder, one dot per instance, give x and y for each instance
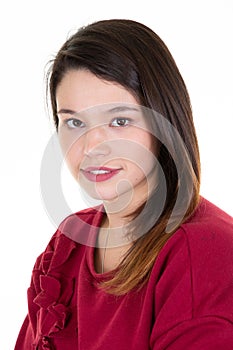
(208, 228)
(208, 217)
(74, 233)
(209, 240)
(202, 248)
(209, 231)
(82, 226)
(194, 269)
(206, 237)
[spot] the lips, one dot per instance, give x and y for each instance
(98, 174)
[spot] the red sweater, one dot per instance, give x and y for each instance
(187, 303)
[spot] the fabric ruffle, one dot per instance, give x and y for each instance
(44, 344)
(54, 293)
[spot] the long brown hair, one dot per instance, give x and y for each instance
(132, 55)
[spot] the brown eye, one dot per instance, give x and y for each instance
(74, 123)
(120, 122)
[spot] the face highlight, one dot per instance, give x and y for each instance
(104, 138)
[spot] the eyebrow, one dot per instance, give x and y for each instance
(122, 109)
(66, 111)
(116, 109)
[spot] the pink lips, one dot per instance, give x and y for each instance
(98, 174)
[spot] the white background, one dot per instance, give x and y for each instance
(198, 33)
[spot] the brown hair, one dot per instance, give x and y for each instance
(132, 55)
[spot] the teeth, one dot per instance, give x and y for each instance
(98, 172)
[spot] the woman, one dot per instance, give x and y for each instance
(150, 268)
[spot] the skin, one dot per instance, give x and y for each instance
(101, 124)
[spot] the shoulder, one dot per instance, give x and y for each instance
(88, 215)
(208, 231)
(205, 241)
(81, 226)
(208, 218)
(74, 233)
(196, 262)
(209, 236)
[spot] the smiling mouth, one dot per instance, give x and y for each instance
(98, 174)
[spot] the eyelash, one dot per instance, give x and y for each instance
(82, 125)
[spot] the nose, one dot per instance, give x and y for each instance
(95, 142)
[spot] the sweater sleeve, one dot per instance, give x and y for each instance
(209, 333)
(26, 335)
(25, 338)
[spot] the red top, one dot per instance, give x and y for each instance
(187, 303)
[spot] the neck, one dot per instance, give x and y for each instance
(112, 246)
(118, 212)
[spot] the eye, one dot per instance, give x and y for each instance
(120, 122)
(73, 123)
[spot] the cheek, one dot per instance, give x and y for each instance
(143, 136)
(149, 144)
(146, 155)
(72, 152)
(143, 165)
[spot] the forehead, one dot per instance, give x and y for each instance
(80, 90)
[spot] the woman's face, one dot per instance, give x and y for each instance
(104, 137)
